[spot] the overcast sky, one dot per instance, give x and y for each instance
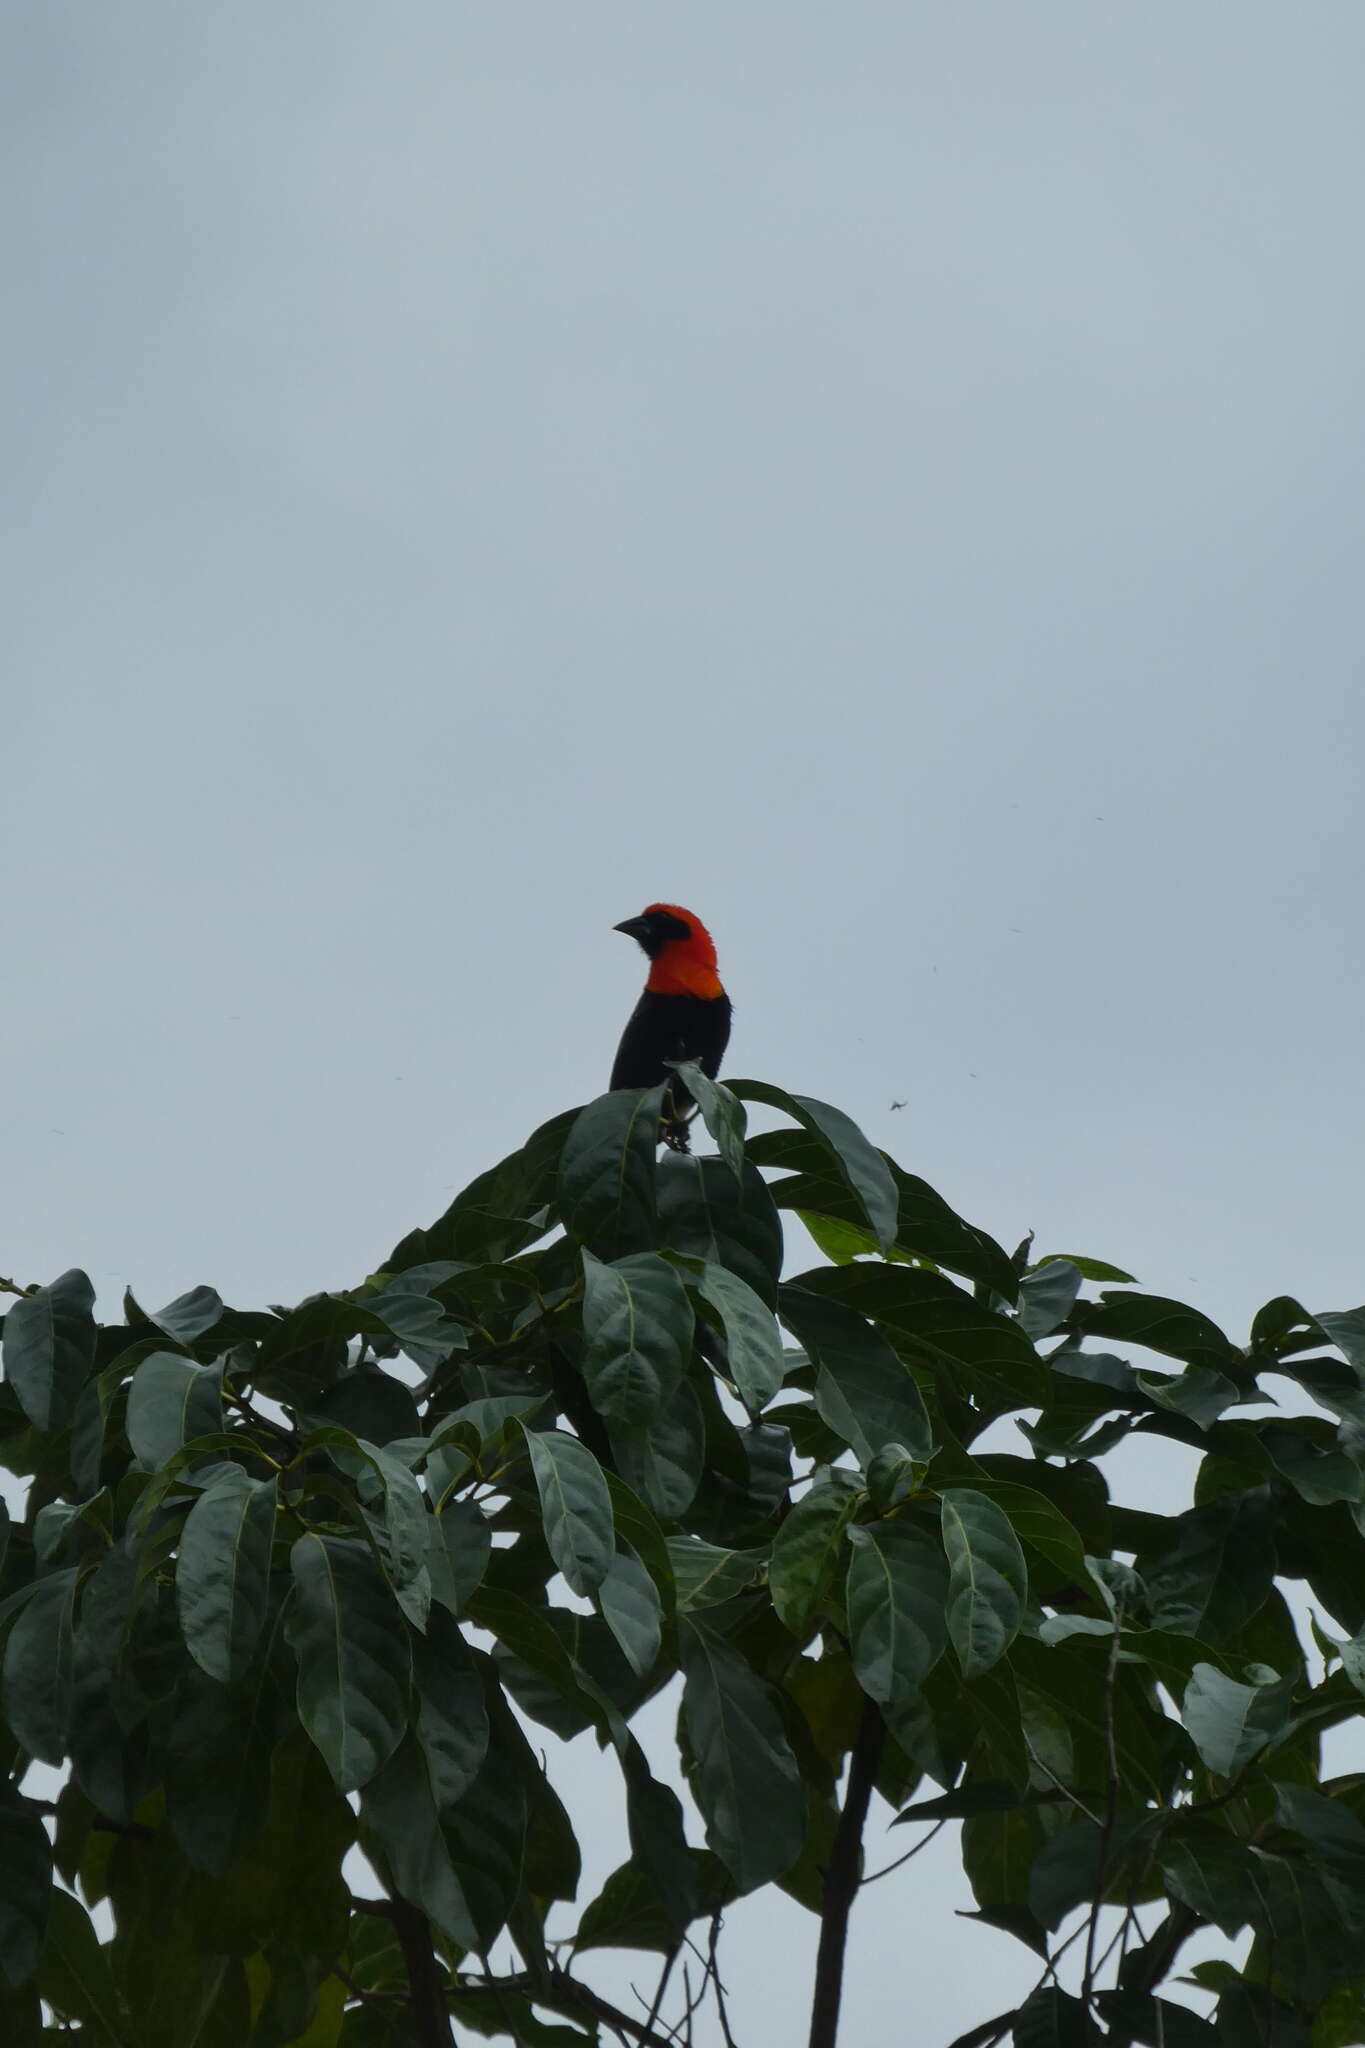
(886, 477)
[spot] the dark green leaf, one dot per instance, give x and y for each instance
(74, 1975)
(1230, 1723)
(857, 1162)
(1165, 1326)
(721, 1112)
(171, 1402)
(576, 1505)
(897, 1592)
(707, 1574)
(189, 1316)
(753, 1342)
(354, 1660)
(987, 1578)
(459, 1541)
(25, 1884)
(223, 1571)
(1052, 2018)
(1046, 1297)
(628, 1913)
(498, 1214)
(748, 1783)
(37, 1668)
(705, 1214)
(399, 1806)
(663, 1462)
(629, 1604)
(606, 1173)
(637, 1323)
(864, 1390)
(1217, 1571)
(965, 1341)
(452, 1720)
(49, 1348)
(657, 1841)
(807, 1551)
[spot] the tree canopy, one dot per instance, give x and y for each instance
(294, 1582)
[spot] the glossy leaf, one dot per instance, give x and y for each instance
(637, 1323)
(706, 1214)
(864, 1390)
(987, 1578)
(721, 1111)
(663, 1461)
(629, 1604)
(707, 1574)
(857, 1162)
(606, 1172)
(748, 1783)
(1231, 1723)
(452, 1718)
(171, 1402)
(576, 1505)
(753, 1342)
(49, 1348)
(399, 1806)
(353, 1655)
(897, 1593)
(223, 1571)
(806, 1557)
(37, 1670)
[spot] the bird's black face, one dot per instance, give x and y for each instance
(654, 930)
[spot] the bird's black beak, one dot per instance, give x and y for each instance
(636, 928)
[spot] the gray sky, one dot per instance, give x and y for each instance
(888, 478)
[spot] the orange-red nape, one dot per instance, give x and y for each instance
(685, 967)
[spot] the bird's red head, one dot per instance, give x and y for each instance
(682, 955)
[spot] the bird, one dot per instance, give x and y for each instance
(683, 1013)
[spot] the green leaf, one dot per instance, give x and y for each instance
(721, 1112)
(629, 1604)
(637, 1528)
(399, 1806)
(663, 1461)
(459, 1542)
(1209, 1870)
(637, 1322)
(354, 1660)
(1211, 1579)
(498, 1214)
(628, 1913)
(452, 1719)
(1089, 1269)
(753, 1343)
(658, 1844)
(940, 1326)
(864, 1390)
(1230, 1723)
(171, 1402)
(36, 1683)
(1046, 1298)
(705, 1214)
(576, 1505)
(1163, 1325)
(606, 1173)
(857, 1163)
(190, 1316)
(223, 1571)
(1037, 1521)
(708, 1574)
(49, 1348)
(1051, 2018)
(74, 1975)
(897, 1593)
(987, 1578)
(748, 1784)
(25, 1884)
(807, 1551)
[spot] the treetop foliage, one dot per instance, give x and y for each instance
(295, 1580)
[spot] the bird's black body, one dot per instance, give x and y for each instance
(671, 1027)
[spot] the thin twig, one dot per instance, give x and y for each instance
(12, 1287)
(922, 1843)
(661, 1987)
(1111, 1807)
(713, 1969)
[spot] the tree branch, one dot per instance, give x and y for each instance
(426, 1985)
(841, 1879)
